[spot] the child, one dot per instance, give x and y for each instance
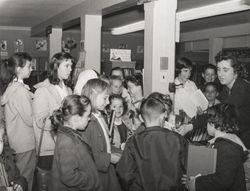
(153, 159)
(120, 132)
(231, 153)
(211, 92)
(116, 85)
(73, 165)
(16, 100)
(97, 134)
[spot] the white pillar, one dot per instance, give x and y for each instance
(159, 43)
(55, 41)
(91, 35)
(215, 46)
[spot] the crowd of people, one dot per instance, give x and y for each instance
(101, 133)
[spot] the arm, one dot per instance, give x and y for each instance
(228, 162)
(23, 105)
(126, 167)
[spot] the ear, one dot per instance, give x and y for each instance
(162, 118)
(217, 94)
(203, 75)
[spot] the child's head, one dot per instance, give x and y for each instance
(211, 91)
(17, 66)
(134, 84)
(209, 73)
(98, 92)
(116, 84)
(75, 113)
(117, 71)
(222, 117)
(60, 68)
(117, 103)
(104, 78)
(183, 69)
(153, 112)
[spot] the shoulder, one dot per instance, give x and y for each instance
(227, 145)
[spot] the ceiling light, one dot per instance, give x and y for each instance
(133, 27)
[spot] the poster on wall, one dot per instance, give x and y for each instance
(3, 45)
(140, 49)
(120, 55)
(41, 45)
(18, 45)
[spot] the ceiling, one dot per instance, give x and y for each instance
(28, 13)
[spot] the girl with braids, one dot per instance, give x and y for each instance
(73, 165)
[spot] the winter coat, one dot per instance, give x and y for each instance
(153, 160)
(73, 165)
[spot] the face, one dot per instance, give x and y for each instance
(185, 74)
(83, 122)
(209, 75)
(101, 100)
(210, 129)
(64, 69)
(118, 73)
(24, 72)
(133, 89)
(211, 93)
(116, 87)
(117, 105)
(226, 73)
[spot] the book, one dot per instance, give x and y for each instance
(201, 160)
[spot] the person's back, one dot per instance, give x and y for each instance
(153, 159)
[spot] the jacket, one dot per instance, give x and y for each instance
(106, 170)
(239, 97)
(153, 160)
(46, 100)
(17, 102)
(73, 166)
(229, 175)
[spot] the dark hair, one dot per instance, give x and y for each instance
(54, 64)
(165, 99)
(94, 87)
(117, 69)
(209, 66)
(135, 79)
(124, 103)
(151, 108)
(8, 68)
(183, 63)
(71, 105)
(224, 117)
(212, 84)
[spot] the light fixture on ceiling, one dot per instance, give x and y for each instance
(133, 27)
(191, 14)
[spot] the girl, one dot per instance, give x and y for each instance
(97, 134)
(73, 165)
(121, 131)
(231, 152)
(48, 97)
(16, 100)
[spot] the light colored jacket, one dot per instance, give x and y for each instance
(17, 102)
(46, 100)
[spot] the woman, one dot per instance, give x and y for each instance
(48, 97)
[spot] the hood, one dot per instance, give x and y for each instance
(82, 79)
(10, 91)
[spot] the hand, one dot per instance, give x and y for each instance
(184, 129)
(199, 111)
(115, 157)
(16, 187)
(184, 179)
(190, 185)
(123, 146)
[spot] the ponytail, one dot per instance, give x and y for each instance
(56, 119)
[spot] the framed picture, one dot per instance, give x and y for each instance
(140, 49)
(19, 45)
(3, 45)
(41, 45)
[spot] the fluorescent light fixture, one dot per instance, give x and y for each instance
(191, 14)
(133, 27)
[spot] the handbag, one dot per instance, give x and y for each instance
(41, 176)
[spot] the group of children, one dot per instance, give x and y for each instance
(138, 153)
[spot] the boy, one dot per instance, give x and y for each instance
(116, 85)
(211, 92)
(209, 74)
(153, 159)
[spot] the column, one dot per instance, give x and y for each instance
(159, 45)
(55, 41)
(215, 46)
(91, 35)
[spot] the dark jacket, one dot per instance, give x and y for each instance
(229, 175)
(240, 98)
(73, 165)
(153, 160)
(106, 170)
